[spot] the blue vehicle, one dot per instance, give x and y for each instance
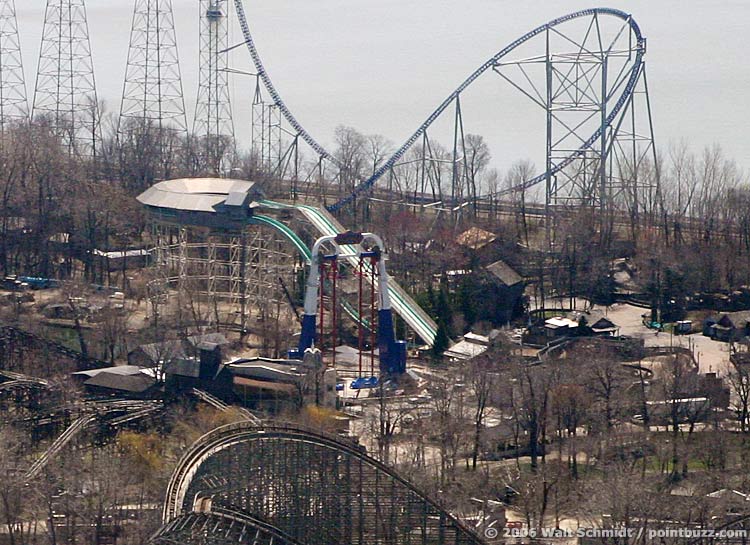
(340, 387)
(364, 382)
(39, 283)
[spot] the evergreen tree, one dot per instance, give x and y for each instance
(443, 317)
(467, 300)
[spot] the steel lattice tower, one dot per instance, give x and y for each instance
(266, 132)
(153, 85)
(213, 113)
(65, 92)
(13, 104)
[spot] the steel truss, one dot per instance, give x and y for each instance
(578, 81)
(588, 87)
(213, 124)
(315, 489)
(13, 104)
(152, 93)
(221, 276)
(276, 147)
(266, 131)
(65, 91)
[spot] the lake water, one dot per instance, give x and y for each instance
(382, 67)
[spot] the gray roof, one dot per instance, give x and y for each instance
(217, 339)
(503, 272)
(237, 198)
(603, 323)
(184, 368)
(739, 318)
(165, 351)
(122, 370)
(175, 349)
(197, 194)
(127, 383)
(267, 370)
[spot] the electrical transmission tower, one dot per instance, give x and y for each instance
(13, 104)
(152, 94)
(65, 92)
(213, 113)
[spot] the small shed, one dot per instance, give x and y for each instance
(683, 327)
(121, 260)
(731, 326)
(154, 354)
(504, 274)
(475, 238)
(116, 384)
(708, 324)
(560, 326)
(204, 372)
(605, 327)
(470, 346)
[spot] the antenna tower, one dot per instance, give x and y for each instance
(152, 93)
(213, 113)
(65, 92)
(13, 104)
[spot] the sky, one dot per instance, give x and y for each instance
(382, 67)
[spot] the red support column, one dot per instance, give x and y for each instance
(373, 314)
(361, 324)
(334, 324)
(322, 306)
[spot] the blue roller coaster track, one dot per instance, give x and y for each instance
(366, 184)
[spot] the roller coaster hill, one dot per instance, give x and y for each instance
(584, 71)
(196, 213)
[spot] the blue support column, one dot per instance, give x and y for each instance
(307, 338)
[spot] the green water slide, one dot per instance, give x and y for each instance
(286, 231)
(305, 252)
(326, 224)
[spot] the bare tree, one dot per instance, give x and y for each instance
(519, 173)
(739, 382)
(530, 405)
(477, 159)
(482, 377)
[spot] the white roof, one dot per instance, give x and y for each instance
(121, 253)
(123, 370)
(465, 350)
(560, 322)
(193, 194)
(477, 339)
(266, 371)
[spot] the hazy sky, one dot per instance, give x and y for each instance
(382, 67)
